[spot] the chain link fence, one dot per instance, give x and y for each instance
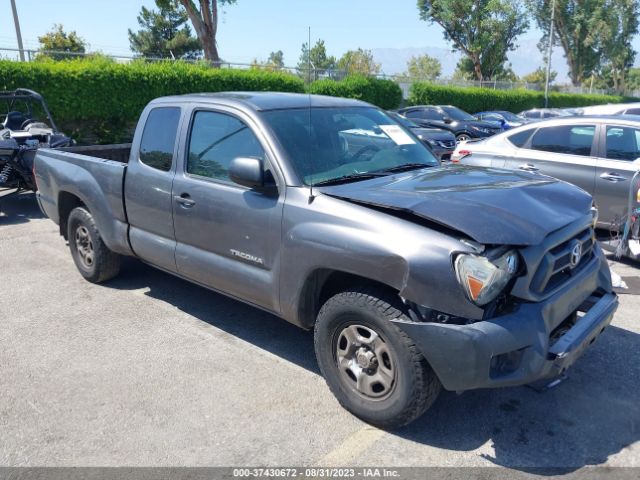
(311, 74)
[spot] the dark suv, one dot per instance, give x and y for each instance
(463, 125)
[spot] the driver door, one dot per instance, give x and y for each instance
(228, 236)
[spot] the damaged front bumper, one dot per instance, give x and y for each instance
(536, 341)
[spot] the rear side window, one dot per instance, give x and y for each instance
(520, 138)
(426, 114)
(216, 139)
(571, 139)
(622, 143)
(159, 138)
(633, 111)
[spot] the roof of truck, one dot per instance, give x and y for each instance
(264, 100)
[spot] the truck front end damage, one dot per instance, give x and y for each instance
(559, 302)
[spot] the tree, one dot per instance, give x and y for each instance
(483, 30)
(465, 70)
(276, 60)
(320, 61)
(57, 40)
(539, 75)
(423, 67)
(164, 33)
(618, 27)
(358, 62)
(274, 63)
(633, 79)
(577, 28)
(205, 23)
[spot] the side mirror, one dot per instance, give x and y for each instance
(247, 171)
(447, 120)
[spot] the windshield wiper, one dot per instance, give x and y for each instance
(405, 167)
(349, 178)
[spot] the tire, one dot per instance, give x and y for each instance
(95, 262)
(346, 319)
(462, 137)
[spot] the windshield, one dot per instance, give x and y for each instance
(457, 114)
(511, 117)
(403, 121)
(22, 109)
(326, 144)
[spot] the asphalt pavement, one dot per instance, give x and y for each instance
(150, 370)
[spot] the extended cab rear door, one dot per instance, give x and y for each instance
(565, 151)
(615, 169)
(148, 184)
(228, 236)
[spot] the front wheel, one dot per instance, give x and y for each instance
(462, 137)
(92, 257)
(373, 368)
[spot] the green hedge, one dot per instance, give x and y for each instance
(383, 93)
(474, 99)
(100, 100)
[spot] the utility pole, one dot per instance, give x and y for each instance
(18, 34)
(549, 50)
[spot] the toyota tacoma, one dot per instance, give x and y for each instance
(414, 276)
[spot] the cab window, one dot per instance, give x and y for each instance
(159, 138)
(215, 140)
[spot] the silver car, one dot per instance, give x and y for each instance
(598, 154)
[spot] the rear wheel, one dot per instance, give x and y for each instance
(94, 260)
(372, 367)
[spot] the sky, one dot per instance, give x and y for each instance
(248, 30)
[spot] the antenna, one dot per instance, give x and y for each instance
(309, 93)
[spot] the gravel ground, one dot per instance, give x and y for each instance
(149, 370)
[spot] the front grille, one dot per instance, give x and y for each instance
(558, 264)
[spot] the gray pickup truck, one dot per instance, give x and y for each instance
(414, 276)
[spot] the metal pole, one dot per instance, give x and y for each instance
(18, 34)
(549, 51)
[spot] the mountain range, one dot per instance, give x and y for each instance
(525, 59)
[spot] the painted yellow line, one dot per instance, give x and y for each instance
(354, 445)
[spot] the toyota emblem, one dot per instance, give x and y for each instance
(576, 255)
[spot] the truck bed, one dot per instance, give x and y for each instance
(118, 152)
(93, 174)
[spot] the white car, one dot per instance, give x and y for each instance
(612, 109)
(599, 154)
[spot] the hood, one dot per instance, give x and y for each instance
(434, 134)
(482, 124)
(491, 206)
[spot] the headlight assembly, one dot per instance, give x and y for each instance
(483, 279)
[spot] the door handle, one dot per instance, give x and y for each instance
(613, 177)
(528, 167)
(185, 200)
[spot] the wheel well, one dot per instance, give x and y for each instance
(66, 202)
(322, 284)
